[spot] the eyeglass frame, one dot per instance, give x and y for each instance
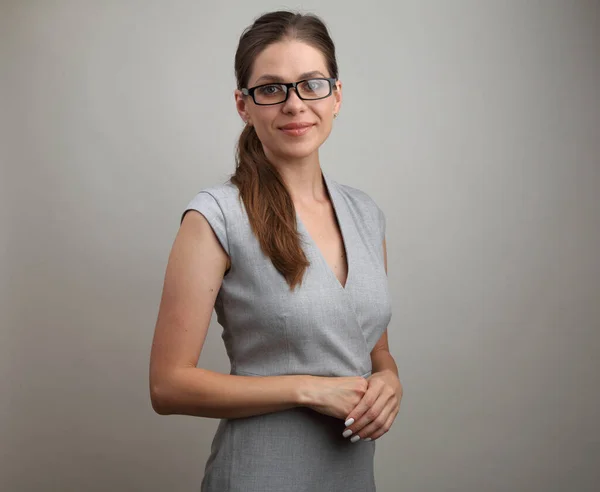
(288, 86)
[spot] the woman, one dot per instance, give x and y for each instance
(295, 266)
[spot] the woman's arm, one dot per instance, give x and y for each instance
(193, 278)
(204, 393)
(381, 359)
(374, 414)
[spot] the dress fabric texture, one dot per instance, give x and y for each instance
(321, 328)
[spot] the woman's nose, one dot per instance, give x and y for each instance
(293, 100)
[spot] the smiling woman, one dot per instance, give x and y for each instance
(294, 265)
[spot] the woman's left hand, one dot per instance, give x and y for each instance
(376, 411)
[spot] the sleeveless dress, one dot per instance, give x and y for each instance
(320, 328)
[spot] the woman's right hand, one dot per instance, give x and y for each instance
(334, 396)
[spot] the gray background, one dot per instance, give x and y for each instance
(475, 125)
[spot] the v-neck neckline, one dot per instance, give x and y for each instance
(332, 193)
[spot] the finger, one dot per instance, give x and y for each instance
(371, 414)
(382, 429)
(366, 402)
(372, 411)
(376, 423)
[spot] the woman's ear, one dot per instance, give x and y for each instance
(240, 105)
(338, 97)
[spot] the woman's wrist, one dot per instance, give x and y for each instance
(304, 390)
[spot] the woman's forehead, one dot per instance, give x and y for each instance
(287, 62)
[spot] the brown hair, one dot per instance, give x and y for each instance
(267, 201)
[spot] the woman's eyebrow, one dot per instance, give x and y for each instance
(277, 78)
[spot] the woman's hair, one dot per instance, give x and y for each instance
(268, 203)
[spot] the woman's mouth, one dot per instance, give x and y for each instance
(296, 131)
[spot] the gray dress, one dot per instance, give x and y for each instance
(321, 329)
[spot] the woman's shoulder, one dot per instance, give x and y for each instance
(220, 191)
(358, 198)
(217, 201)
(363, 205)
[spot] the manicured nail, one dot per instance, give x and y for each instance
(350, 421)
(354, 438)
(367, 439)
(347, 432)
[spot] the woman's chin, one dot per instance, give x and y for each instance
(299, 150)
(294, 152)
(296, 156)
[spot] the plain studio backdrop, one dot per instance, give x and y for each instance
(475, 125)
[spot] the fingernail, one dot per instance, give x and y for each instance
(350, 421)
(354, 438)
(367, 439)
(347, 432)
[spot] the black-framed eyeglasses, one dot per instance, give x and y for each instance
(278, 92)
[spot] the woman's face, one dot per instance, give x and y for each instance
(290, 61)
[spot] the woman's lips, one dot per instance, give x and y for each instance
(296, 132)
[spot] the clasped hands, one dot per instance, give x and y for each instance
(376, 411)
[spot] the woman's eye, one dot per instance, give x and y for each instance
(269, 90)
(312, 85)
